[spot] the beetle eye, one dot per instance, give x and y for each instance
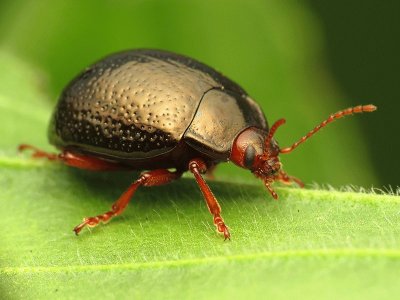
(249, 156)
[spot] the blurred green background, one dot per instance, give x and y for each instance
(301, 60)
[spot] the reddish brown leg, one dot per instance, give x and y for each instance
(198, 167)
(37, 153)
(152, 178)
(287, 179)
(73, 159)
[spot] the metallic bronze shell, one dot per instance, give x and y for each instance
(139, 104)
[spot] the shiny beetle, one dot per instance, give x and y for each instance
(154, 110)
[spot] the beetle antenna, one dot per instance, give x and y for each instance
(340, 114)
(272, 130)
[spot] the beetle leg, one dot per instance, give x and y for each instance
(73, 159)
(197, 167)
(287, 179)
(37, 153)
(88, 162)
(151, 178)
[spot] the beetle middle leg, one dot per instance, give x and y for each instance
(197, 167)
(151, 178)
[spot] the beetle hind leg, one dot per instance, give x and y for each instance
(37, 153)
(151, 178)
(75, 159)
(197, 167)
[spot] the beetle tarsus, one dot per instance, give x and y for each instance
(287, 179)
(94, 221)
(77, 229)
(37, 153)
(221, 227)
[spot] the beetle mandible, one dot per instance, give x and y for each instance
(154, 110)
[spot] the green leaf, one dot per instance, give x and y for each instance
(320, 243)
(309, 244)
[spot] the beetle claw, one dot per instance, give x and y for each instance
(227, 235)
(221, 227)
(77, 229)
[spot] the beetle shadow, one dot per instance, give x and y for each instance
(101, 185)
(108, 186)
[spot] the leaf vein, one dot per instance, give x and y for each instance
(320, 253)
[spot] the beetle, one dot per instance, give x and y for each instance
(156, 110)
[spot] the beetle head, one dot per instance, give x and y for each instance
(257, 150)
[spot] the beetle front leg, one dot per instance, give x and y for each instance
(151, 178)
(197, 167)
(287, 179)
